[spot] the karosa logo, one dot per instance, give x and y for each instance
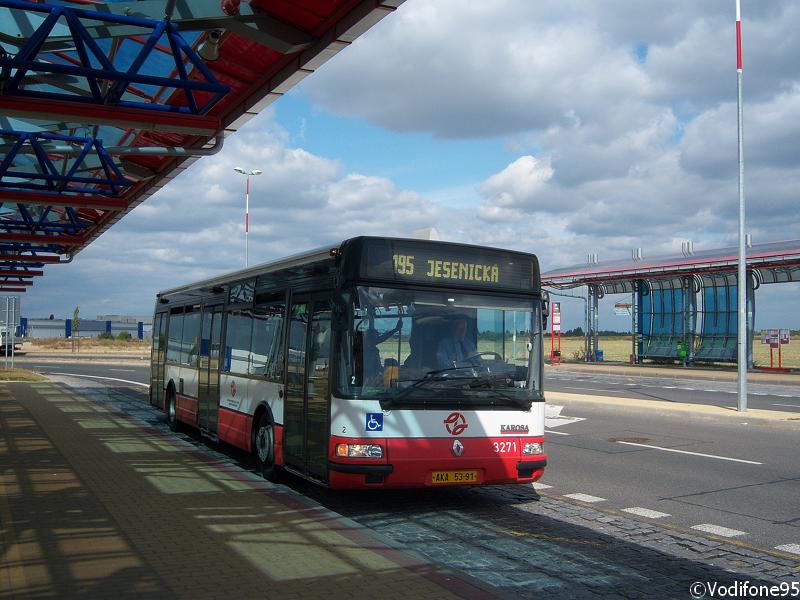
(455, 423)
(511, 429)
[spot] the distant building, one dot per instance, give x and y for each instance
(147, 320)
(35, 328)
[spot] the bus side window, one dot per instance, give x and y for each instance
(237, 341)
(267, 344)
(190, 336)
(175, 337)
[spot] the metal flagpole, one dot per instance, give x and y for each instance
(246, 221)
(742, 275)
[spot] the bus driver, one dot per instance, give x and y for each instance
(455, 348)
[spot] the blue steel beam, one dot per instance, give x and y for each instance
(30, 59)
(44, 175)
(197, 15)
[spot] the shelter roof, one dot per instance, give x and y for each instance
(766, 258)
(103, 103)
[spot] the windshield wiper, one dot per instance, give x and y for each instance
(429, 377)
(477, 382)
(487, 381)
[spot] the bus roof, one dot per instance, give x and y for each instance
(295, 260)
(329, 252)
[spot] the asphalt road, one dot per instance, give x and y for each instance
(697, 391)
(762, 395)
(126, 371)
(626, 460)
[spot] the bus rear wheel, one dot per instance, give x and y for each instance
(264, 448)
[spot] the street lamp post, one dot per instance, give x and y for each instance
(247, 174)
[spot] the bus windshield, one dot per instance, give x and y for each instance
(442, 349)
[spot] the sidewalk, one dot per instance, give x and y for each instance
(69, 356)
(95, 504)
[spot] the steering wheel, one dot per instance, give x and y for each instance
(479, 355)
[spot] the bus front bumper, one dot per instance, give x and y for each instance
(432, 463)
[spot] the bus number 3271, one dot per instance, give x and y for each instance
(505, 447)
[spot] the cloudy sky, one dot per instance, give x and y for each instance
(559, 127)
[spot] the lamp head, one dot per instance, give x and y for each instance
(240, 170)
(209, 49)
(256, 172)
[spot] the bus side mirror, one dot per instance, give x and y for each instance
(545, 309)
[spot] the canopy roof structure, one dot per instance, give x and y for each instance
(102, 103)
(683, 307)
(773, 262)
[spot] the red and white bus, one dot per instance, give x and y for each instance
(378, 362)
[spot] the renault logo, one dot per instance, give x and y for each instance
(458, 448)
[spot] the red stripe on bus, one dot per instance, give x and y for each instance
(279, 445)
(234, 428)
(186, 409)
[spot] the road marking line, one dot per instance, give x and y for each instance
(740, 460)
(790, 405)
(585, 497)
(719, 530)
(568, 387)
(667, 387)
(98, 377)
(645, 512)
(556, 432)
(792, 548)
(123, 370)
(540, 486)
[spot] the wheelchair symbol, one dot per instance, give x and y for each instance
(374, 421)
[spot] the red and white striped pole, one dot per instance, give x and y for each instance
(742, 357)
(247, 174)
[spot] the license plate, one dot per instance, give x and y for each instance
(442, 477)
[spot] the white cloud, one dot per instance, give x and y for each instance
(621, 115)
(194, 227)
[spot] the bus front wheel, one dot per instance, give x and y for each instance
(264, 448)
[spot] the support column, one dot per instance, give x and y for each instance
(751, 314)
(634, 326)
(640, 292)
(685, 319)
(691, 293)
(587, 325)
(593, 322)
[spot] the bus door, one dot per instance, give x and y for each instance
(157, 358)
(306, 406)
(208, 365)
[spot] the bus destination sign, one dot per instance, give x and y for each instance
(449, 264)
(404, 265)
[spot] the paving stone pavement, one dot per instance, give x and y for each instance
(96, 504)
(523, 545)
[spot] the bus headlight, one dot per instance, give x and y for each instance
(532, 448)
(359, 450)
